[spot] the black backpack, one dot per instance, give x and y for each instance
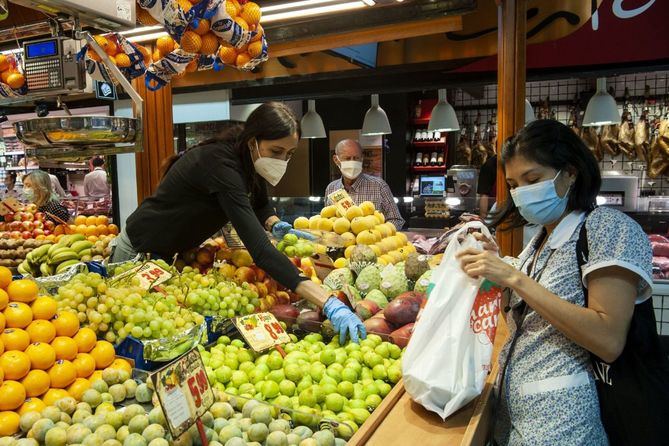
(634, 389)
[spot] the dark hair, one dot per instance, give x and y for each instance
(550, 143)
(271, 120)
(98, 162)
(11, 176)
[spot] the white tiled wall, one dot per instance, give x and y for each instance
(661, 306)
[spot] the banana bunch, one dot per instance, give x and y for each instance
(51, 258)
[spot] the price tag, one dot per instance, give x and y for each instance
(261, 331)
(150, 275)
(183, 391)
(9, 205)
(342, 200)
(323, 265)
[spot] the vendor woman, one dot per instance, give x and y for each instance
(37, 189)
(224, 180)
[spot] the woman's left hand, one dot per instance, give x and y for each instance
(476, 263)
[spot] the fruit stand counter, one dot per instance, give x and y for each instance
(400, 421)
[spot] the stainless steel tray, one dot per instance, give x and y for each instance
(68, 131)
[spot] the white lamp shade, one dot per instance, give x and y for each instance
(529, 112)
(376, 121)
(312, 124)
(602, 108)
(443, 117)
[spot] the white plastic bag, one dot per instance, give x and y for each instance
(448, 358)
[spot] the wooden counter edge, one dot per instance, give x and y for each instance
(477, 429)
(376, 418)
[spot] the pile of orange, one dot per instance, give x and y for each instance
(94, 227)
(44, 355)
(247, 16)
(116, 55)
(9, 74)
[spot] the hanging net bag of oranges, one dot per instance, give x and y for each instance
(130, 58)
(13, 81)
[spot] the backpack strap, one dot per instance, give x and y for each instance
(583, 252)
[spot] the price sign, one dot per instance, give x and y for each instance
(150, 275)
(342, 200)
(183, 391)
(9, 205)
(261, 331)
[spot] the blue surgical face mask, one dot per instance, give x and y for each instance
(540, 203)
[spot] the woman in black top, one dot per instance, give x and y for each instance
(223, 181)
(37, 189)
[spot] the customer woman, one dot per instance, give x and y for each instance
(224, 180)
(37, 189)
(548, 393)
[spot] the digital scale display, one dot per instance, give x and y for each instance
(432, 186)
(41, 49)
(611, 199)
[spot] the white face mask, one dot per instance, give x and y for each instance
(271, 169)
(350, 169)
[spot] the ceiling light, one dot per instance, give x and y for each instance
(369, 2)
(529, 112)
(602, 108)
(302, 13)
(142, 30)
(312, 124)
(376, 120)
(443, 117)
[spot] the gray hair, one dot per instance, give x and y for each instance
(346, 142)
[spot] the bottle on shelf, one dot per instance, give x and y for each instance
(437, 136)
(433, 159)
(416, 136)
(440, 159)
(418, 111)
(424, 136)
(426, 159)
(419, 159)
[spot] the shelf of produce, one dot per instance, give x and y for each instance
(427, 169)
(428, 144)
(406, 420)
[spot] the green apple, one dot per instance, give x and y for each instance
(328, 357)
(383, 350)
(308, 398)
(287, 388)
(244, 356)
(317, 371)
(304, 384)
(394, 373)
(350, 375)
(395, 351)
(372, 359)
(275, 361)
(246, 367)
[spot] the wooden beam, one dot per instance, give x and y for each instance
(369, 35)
(510, 95)
(158, 137)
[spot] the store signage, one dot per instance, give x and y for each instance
(149, 274)
(261, 331)
(183, 391)
(9, 205)
(105, 90)
(342, 200)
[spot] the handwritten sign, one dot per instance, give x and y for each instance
(149, 274)
(261, 331)
(9, 205)
(342, 200)
(183, 391)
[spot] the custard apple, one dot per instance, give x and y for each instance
(338, 278)
(361, 256)
(378, 298)
(416, 265)
(369, 279)
(393, 282)
(423, 282)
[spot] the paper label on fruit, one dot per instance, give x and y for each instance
(323, 265)
(149, 274)
(261, 331)
(183, 391)
(342, 200)
(9, 206)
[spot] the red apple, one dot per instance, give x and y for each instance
(47, 232)
(38, 224)
(39, 216)
(49, 225)
(32, 208)
(26, 235)
(14, 226)
(18, 216)
(38, 231)
(27, 216)
(9, 217)
(27, 225)
(5, 235)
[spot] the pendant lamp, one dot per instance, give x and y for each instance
(312, 124)
(376, 120)
(529, 112)
(602, 108)
(443, 117)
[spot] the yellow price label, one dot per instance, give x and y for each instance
(342, 200)
(261, 331)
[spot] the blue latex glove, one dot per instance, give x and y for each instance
(344, 320)
(281, 228)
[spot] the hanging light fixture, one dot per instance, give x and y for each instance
(312, 124)
(602, 108)
(529, 112)
(376, 120)
(443, 117)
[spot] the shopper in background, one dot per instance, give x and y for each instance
(362, 187)
(55, 185)
(37, 189)
(10, 183)
(95, 182)
(548, 392)
(225, 180)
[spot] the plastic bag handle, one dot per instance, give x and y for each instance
(471, 225)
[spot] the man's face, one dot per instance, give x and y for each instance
(350, 152)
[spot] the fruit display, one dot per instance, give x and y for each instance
(45, 351)
(115, 312)
(56, 258)
(293, 246)
(14, 251)
(362, 225)
(27, 223)
(9, 72)
(343, 383)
